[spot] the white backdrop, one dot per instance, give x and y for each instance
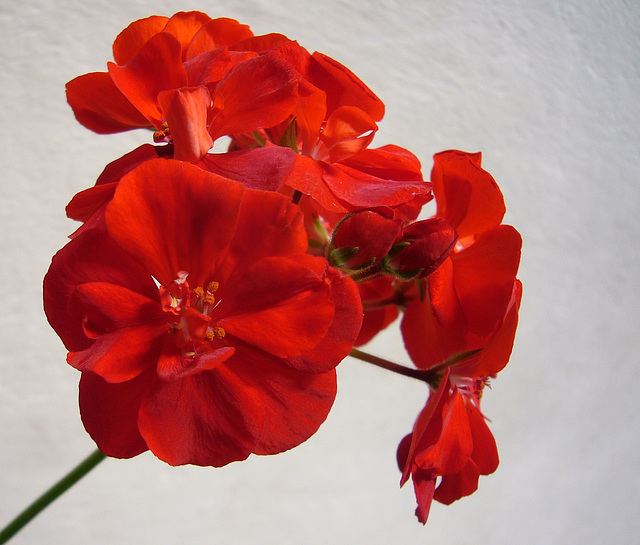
(548, 91)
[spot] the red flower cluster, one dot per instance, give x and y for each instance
(208, 297)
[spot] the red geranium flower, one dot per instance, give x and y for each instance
(178, 76)
(330, 128)
(202, 330)
(450, 442)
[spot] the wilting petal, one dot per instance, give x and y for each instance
(100, 106)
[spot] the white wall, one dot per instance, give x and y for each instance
(548, 91)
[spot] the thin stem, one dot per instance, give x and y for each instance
(56, 490)
(425, 376)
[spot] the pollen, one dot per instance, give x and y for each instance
(216, 332)
(198, 291)
(163, 135)
(212, 287)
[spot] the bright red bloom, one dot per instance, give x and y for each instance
(330, 128)
(178, 76)
(469, 296)
(450, 442)
(461, 328)
(202, 330)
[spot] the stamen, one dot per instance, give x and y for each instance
(212, 287)
(198, 291)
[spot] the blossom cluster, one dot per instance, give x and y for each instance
(222, 273)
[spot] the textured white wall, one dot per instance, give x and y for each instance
(548, 90)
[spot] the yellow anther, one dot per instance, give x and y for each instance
(198, 291)
(209, 299)
(213, 287)
(215, 332)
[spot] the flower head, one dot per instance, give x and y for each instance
(202, 330)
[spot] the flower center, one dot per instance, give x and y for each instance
(190, 312)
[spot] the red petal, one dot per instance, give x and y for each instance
(307, 177)
(208, 419)
(174, 217)
(454, 487)
(156, 67)
(485, 451)
(279, 306)
(217, 33)
(85, 203)
(259, 168)
(467, 196)
(343, 87)
(173, 364)
(138, 33)
(185, 111)
(184, 25)
(424, 489)
(295, 403)
(210, 67)
(110, 413)
(90, 257)
(100, 106)
(345, 326)
(121, 355)
(279, 232)
(453, 448)
(348, 131)
(495, 354)
(483, 275)
(356, 189)
(257, 93)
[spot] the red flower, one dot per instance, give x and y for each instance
(450, 442)
(461, 328)
(178, 76)
(331, 126)
(202, 330)
(468, 297)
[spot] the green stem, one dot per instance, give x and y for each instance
(426, 376)
(56, 490)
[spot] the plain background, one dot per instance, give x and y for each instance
(548, 91)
